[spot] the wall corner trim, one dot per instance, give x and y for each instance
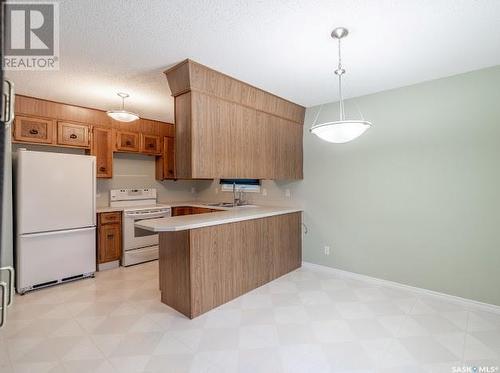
(467, 303)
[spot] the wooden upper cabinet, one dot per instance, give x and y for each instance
(189, 75)
(225, 128)
(169, 157)
(39, 121)
(102, 148)
(150, 144)
(127, 141)
(73, 134)
(34, 129)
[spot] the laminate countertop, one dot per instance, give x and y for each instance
(226, 215)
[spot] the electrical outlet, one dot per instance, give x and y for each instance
(193, 190)
(264, 192)
(216, 190)
(327, 250)
(288, 194)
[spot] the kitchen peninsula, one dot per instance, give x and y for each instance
(209, 259)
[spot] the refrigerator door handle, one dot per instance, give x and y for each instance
(11, 282)
(94, 181)
(3, 285)
(51, 233)
(8, 114)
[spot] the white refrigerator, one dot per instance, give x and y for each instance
(55, 218)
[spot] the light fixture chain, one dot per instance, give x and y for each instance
(340, 59)
(340, 71)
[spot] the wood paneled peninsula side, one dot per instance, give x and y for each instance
(208, 259)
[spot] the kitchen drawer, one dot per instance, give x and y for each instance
(110, 217)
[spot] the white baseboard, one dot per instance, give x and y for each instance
(468, 303)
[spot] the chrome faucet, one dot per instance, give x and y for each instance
(238, 201)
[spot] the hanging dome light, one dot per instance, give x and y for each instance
(342, 130)
(122, 115)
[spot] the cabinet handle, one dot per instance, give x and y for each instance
(73, 136)
(110, 236)
(151, 145)
(128, 143)
(102, 168)
(33, 131)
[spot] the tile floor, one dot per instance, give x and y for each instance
(307, 321)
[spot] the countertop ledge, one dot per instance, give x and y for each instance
(227, 215)
(108, 209)
(100, 209)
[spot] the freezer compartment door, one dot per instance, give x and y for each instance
(54, 256)
(54, 191)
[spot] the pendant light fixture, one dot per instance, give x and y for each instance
(122, 115)
(342, 130)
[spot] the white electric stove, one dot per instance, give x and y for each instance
(139, 245)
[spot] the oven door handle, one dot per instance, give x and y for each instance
(148, 216)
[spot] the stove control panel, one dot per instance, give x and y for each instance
(132, 194)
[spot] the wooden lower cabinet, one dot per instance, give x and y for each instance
(190, 210)
(109, 237)
(203, 268)
(34, 130)
(102, 148)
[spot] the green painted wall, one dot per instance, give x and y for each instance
(416, 199)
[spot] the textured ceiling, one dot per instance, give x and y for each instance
(282, 46)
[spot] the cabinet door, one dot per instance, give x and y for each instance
(109, 242)
(168, 157)
(73, 134)
(102, 148)
(127, 141)
(150, 144)
(33, 129)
